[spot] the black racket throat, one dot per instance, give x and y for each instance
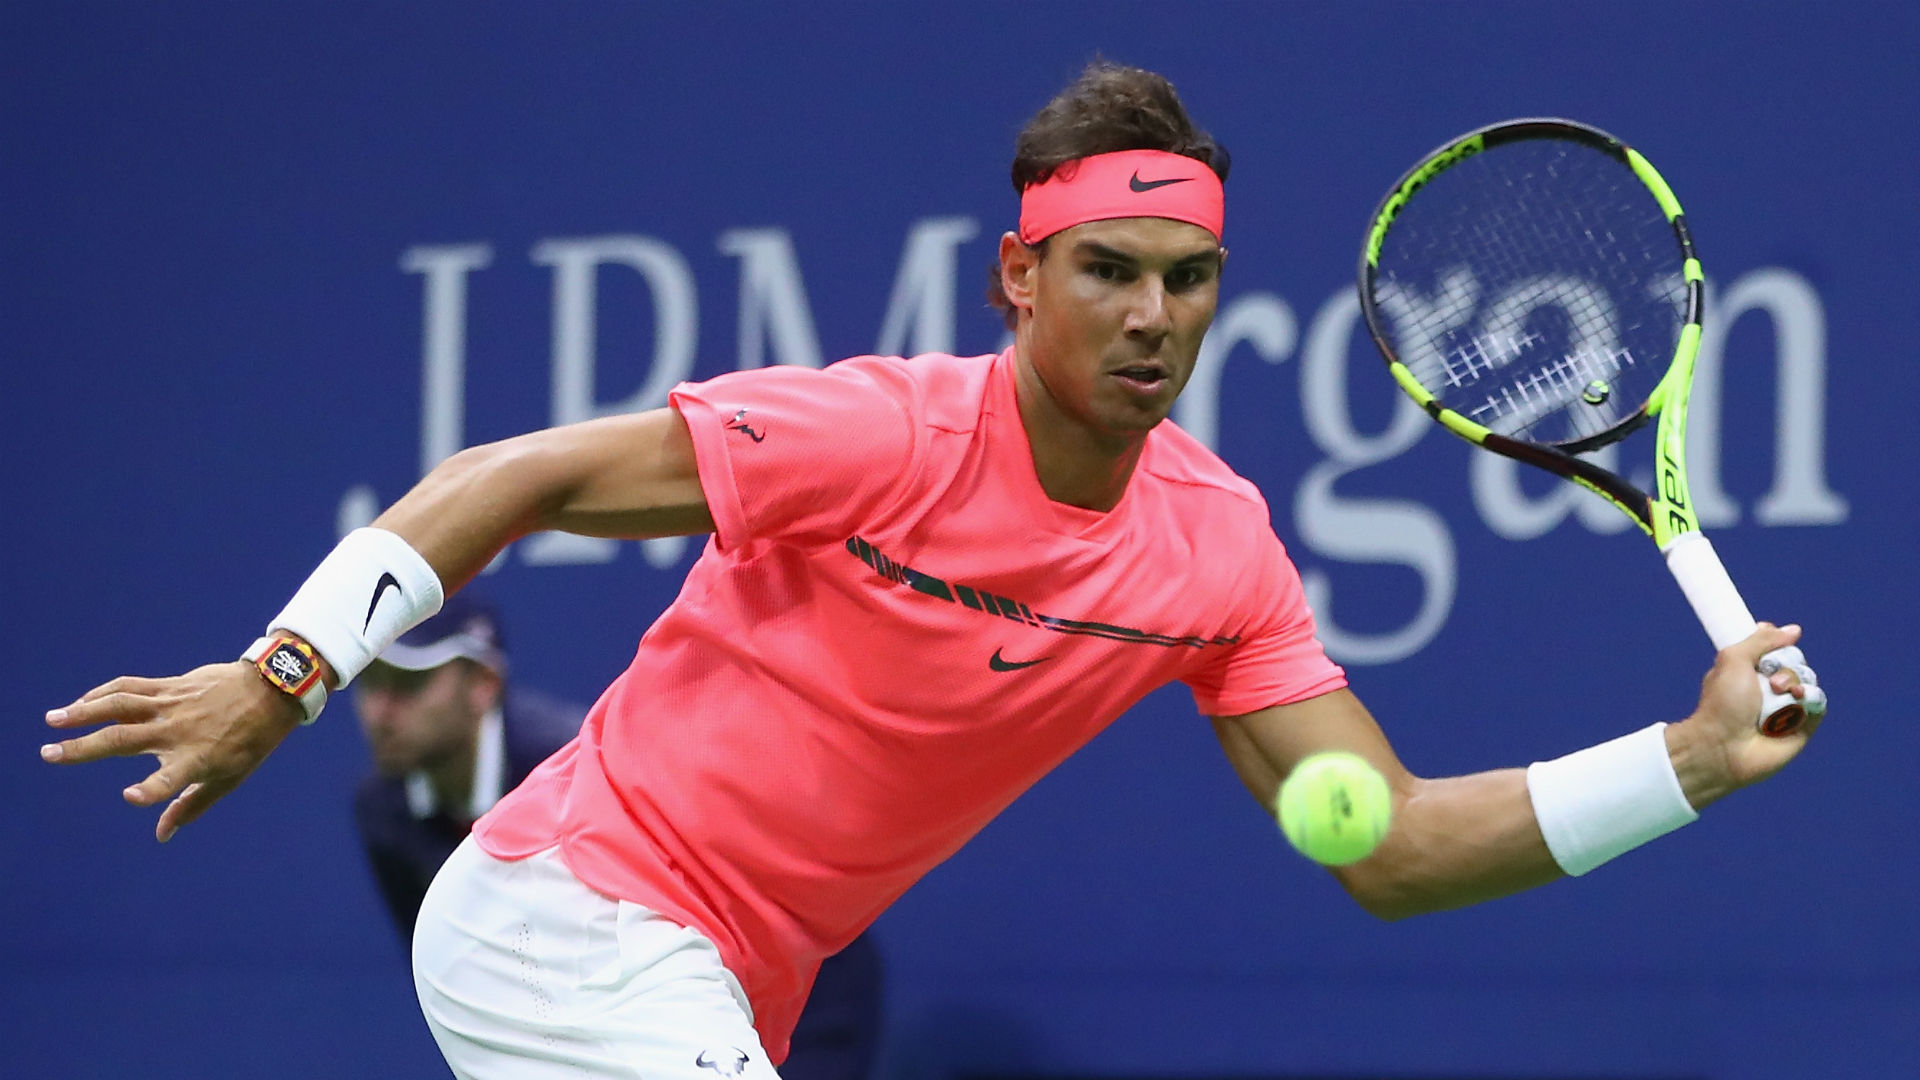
(1581, 471)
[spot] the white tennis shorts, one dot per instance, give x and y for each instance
(524, 972)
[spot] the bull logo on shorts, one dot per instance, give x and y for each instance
(729, 1062)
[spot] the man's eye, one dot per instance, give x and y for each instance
(1104, 271)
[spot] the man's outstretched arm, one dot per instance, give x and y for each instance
(626, 476)
(1460, 840)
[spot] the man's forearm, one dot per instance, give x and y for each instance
(1455, 841)
(1462, 840)
(472, 505)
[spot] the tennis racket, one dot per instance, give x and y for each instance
(1533, 286)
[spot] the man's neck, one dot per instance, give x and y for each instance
(1076, 464)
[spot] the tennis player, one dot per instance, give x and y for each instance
(929, 581)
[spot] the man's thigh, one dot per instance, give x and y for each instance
(523, 972)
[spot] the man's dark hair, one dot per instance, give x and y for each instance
(1109, 108)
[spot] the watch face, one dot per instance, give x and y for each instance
(288, 666)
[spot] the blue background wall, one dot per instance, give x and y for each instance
(212, 354)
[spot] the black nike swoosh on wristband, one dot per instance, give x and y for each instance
(1138, 184)
(379, 588)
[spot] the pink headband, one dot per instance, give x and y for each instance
(1130, 183)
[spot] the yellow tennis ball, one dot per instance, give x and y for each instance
(1335, 808)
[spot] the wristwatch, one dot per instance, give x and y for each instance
(290, 666)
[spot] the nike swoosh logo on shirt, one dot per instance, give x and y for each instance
(1138, 184)
(999, 664)
(379, 588)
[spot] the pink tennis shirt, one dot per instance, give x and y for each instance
(892, 634)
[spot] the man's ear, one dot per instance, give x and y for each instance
(1018, 265)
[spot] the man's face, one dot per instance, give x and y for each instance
(416, 719)
(1118, 312)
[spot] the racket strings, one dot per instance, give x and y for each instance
(1535, 288)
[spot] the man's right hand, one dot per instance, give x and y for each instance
(1719, 749)
(210, 728)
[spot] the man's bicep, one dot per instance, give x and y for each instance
(636, 477)
(1264, 745)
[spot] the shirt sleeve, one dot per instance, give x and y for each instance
(1278, 660)
(797, 454)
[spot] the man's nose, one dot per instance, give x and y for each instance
(1148, 316)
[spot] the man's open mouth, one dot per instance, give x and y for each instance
(1146, 377)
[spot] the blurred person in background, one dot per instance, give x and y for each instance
(447, 740)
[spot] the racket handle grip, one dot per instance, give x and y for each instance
(1717, 603)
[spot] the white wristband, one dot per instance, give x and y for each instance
(1604, 801)
(369, 590)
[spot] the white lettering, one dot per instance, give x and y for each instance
(1259, 319)
(358, 507)
(919, 316)
(1420, 325)
(1800, 493)
(443, 344)
(773, 300)
(576, 265)
(1397, 532)
(776, 325)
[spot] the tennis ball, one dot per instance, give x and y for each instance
(1335, 808)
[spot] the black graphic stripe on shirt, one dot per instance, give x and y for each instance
(992, 604)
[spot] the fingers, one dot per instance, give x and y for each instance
(1788, 672)
(1789, 679)
(209, 728)
(125, 684)
(119, 707)
(1765, 638)
(129, 702)
(121, 740)
(162, 782)
(1797, 702)
(190, 804)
